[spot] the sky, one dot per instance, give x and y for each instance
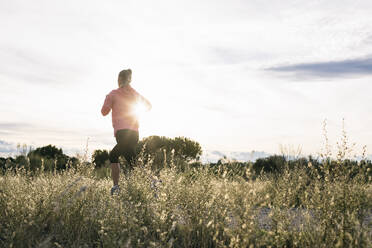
(236, 76)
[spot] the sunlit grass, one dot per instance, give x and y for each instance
(181, 205)
(196, 208)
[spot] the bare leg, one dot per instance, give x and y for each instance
(115, 173)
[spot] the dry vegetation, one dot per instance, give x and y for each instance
(196, 208)
(306, 206)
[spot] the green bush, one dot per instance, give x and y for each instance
(100, 157)
(182, 147)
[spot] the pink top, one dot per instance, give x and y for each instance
(122, 102)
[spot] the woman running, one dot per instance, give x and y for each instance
(123, 102)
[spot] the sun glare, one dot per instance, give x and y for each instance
(139, 110)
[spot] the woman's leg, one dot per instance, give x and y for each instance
(115, 166)
(130, 148)
(115, 173)
(126, 145)
(130, 155)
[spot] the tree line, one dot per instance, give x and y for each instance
(151, 149)
(184, 154)
(48, 158)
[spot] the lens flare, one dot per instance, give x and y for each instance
(139, 110)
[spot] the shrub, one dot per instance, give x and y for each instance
(99, 157)
(272, 164)
(162, 150)
(49, 158)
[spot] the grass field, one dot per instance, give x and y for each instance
(193, 208)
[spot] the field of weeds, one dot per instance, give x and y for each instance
(192, 208)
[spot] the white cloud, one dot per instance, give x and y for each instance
(201, 63)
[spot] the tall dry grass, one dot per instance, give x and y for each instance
(327, 206)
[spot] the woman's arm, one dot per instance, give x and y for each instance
(143, 100)
(146, 102)
(107, 105)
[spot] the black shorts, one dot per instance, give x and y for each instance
(126, 146)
